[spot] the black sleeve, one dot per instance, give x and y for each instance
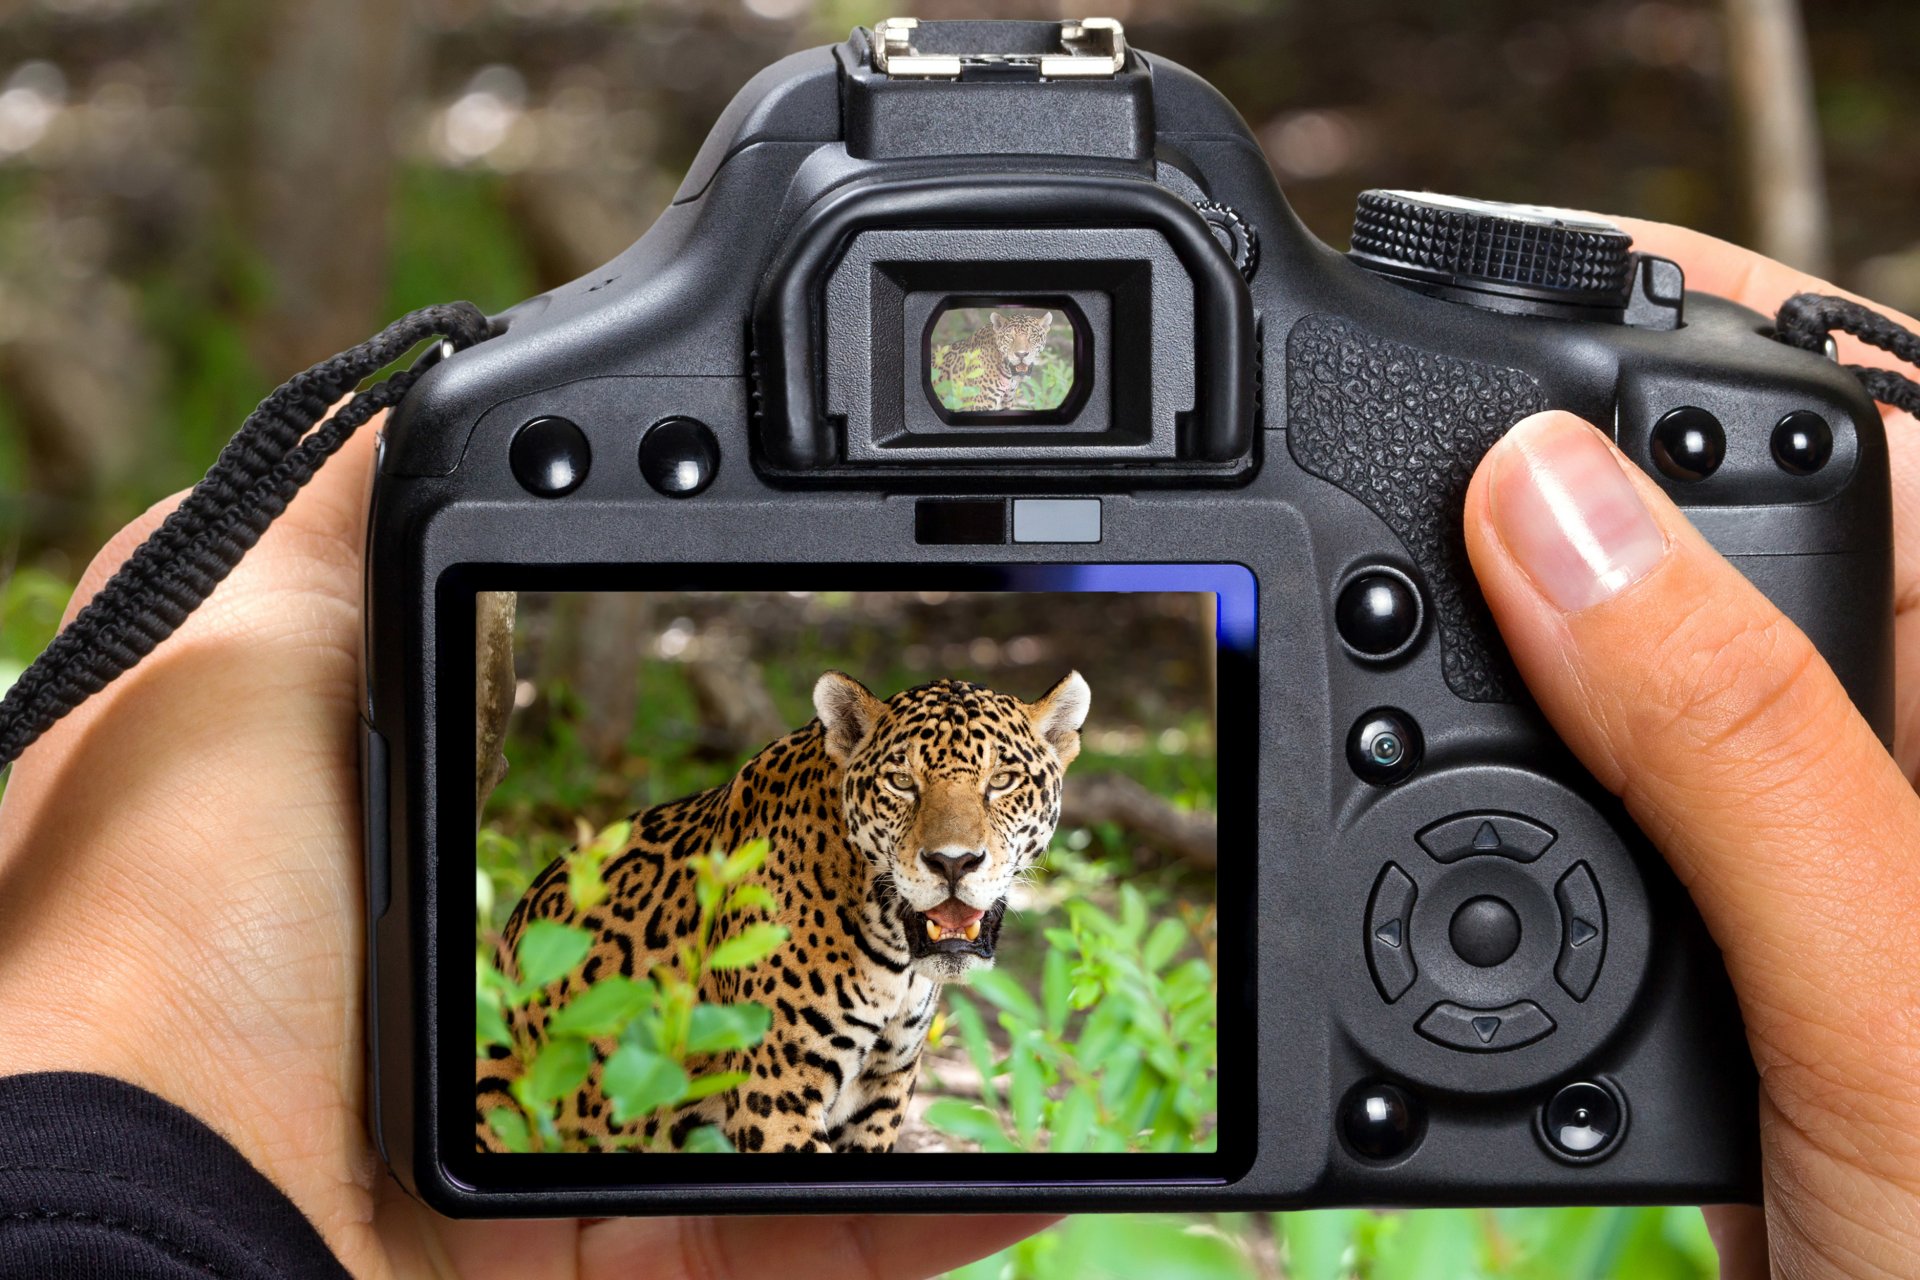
(99, 1178)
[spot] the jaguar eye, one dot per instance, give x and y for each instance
(900, 781)
(1003, 780)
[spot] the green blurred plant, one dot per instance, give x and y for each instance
(31, 601)
(655, 1039)
(1118, 1054)
(1355, 1244)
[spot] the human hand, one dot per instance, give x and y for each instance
(1736, 750)
(180, 907)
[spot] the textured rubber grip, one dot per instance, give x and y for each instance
(1402, 430)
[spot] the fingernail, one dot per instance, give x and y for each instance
(1568, 513)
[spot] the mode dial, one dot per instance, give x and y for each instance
(1519, 252)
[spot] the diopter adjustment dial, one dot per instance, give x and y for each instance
(1530, 252)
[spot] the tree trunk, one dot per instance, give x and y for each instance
(1772, 84)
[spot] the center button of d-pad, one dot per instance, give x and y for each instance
(1485, 931)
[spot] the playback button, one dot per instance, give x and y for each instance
(1389, 949)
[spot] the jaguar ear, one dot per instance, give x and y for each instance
(1057, 717)
(997, 322)
(1046, 322)
(847, 711)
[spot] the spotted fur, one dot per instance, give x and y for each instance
(1008, 350)
(877, 813)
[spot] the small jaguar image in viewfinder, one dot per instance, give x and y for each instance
(1005, 360)
(828, 870)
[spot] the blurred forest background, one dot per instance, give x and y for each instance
(196, 199)
(1096, 1029)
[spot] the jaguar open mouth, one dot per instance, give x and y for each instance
(952, 928)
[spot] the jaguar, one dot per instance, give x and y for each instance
(896, 829)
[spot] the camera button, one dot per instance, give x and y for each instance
(1380, 1121)
(1485, 931)
(1802, 442)
(1466, 834)
(1384, 746)
(1584, 1122)
(549, 457)
(1485, 1030)
(1389, 949)
(679, 456)
(1583, 931)
(1378, 614)
(1688, 444)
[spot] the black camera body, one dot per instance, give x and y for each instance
(1451, 971)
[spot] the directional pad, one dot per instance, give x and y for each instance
(1583, 938)
(1387, 914)
(1467, 835)
(1485, 1030)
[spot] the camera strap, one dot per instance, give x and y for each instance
(1809, 321)
(279, 447)
(275, 452)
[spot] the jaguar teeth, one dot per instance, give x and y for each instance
(934, 931)
(973, 932)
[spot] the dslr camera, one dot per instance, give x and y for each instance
(980, 429)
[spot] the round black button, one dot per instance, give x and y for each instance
(679, 456)
(549, 457)
(1584, 1121)
(1484, 932)
(1384, 746)
(1802, 442)
(1380, 1121)
(1378, 614)
(1688, 444)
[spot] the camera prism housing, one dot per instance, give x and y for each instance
(1012, 311)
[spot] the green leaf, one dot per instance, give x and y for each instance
(1056, 985)
(490, 1026)
(1163, 944)
(1004, 991)
(558, 1069)
(719, 1082)
(966, 1120)
(603, 1009)
(973, 1035)
(715, 1028)
(748, 947)
(1072, 1121)
(1027, 1093)
(1317, 1242)
(744, 861)
(752, 897)
(548, 951)
(640, 1082)
(707, 1140)
(511, 1128)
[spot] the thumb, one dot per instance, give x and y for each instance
(1737, 751)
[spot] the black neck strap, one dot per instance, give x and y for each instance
(278, 449)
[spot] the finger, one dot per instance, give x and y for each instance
(1739, 1234)
(1753, 280)
(1735, 749)
(834, 1248)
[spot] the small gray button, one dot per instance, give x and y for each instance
(1056, 519)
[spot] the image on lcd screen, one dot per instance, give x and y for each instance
(901, 871)
(1003, 359)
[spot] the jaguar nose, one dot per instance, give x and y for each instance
(952, 865)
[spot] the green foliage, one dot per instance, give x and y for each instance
(656, 1039)
(1118, 1054)
(31, 601)
(1353, 1244)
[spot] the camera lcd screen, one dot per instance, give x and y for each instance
(835, 865)
(1006, 362)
